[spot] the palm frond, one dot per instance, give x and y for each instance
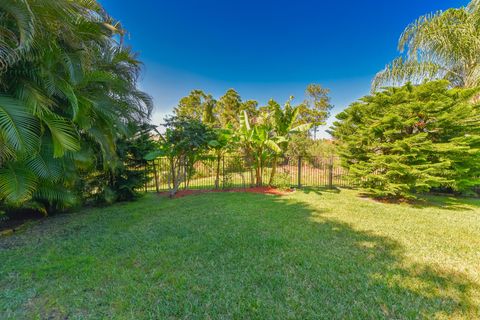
(63, 133)
(44, 165)
(401, 71)
(19, 11)
(17, 183)
(17, 125)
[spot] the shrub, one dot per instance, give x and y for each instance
(283, 179)
(411, 139)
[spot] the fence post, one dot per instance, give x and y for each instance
(223, 172)
(185, 168)
(299, 172)
(330, 173)
(155, 171)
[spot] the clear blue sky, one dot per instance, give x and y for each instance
(264, 49)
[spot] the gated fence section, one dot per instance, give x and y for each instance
(230, 172)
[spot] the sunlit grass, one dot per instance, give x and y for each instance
(316, 254)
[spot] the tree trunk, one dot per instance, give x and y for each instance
(258, 174)
(274, 171)
(252, 177)
(175, 169)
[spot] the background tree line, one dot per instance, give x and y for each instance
(205, 127)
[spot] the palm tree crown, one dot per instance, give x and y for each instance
(442, 45)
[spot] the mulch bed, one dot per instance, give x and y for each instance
(261, 190)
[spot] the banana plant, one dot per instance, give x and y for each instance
(283, 124)
(259, 144)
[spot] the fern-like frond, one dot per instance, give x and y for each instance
(18, 126)
(17, 183)
(63, 133)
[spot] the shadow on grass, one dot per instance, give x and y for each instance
(447, 202)
(366, 278)
(320, 190)
(223, 256)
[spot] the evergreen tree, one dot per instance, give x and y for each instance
(411, 139)
(197, 105)
(228, 108)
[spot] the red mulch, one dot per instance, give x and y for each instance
(261, 190)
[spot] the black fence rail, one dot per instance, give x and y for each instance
(230, 172)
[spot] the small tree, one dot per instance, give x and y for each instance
(183, 143)
(412, 139)
(223, 142)
(131, 171)
(316, 107)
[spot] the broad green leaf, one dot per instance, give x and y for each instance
(273, 146)
(302, 128)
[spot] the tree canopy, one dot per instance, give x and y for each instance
(412, 139)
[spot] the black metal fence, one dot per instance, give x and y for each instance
(230, 172)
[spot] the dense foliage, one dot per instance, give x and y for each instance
(205, 128)
(184, 142)
(412, 139)
(68, 95)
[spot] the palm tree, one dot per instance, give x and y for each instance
(442, 45)
(67, 89)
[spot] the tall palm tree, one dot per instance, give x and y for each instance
(442, 45)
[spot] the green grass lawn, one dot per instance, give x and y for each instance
(314, 254)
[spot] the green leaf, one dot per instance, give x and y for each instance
(155, 154)
(64, 135)
(302, 128)
(17, 183)
(19, 127)
(273, 146)
(44, 165)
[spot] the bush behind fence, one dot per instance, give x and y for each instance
(229, 172)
